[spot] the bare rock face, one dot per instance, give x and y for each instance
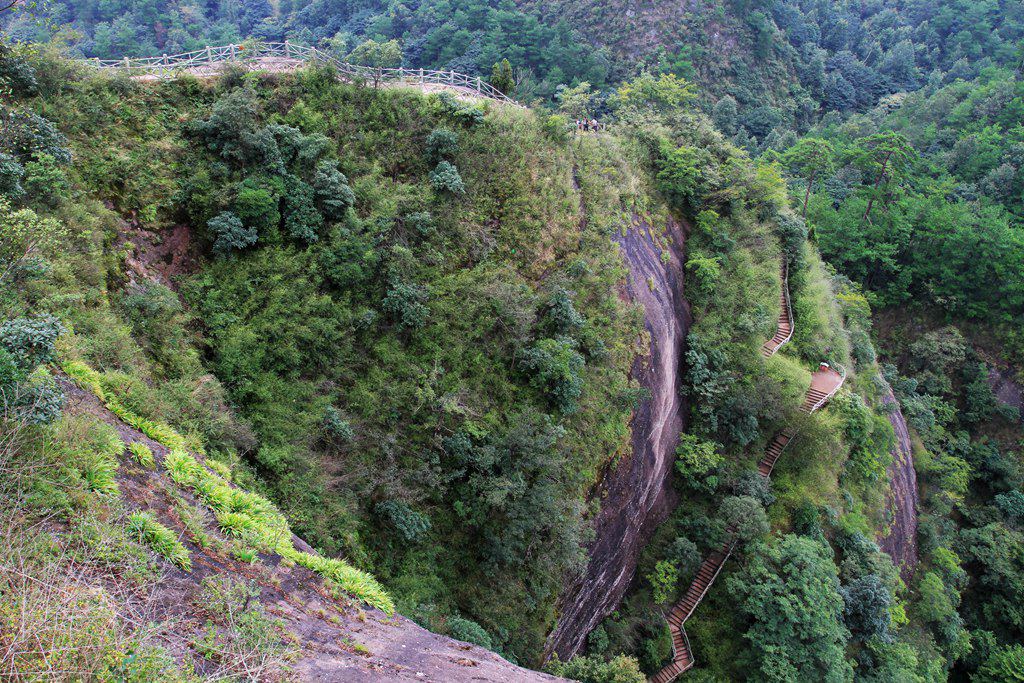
(902, 500)
(636, 496)
(1005, 388)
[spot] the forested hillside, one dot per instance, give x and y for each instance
(317, 363)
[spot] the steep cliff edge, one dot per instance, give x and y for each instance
(635, 495)
(902, 499)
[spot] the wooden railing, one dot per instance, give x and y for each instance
(258, 54)
(782, 333)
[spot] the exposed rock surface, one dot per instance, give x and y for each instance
(902, 499)
(635, 495)
(1006, 389)
(336, 641)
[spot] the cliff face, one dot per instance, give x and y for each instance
(902, 499)
(635, 495)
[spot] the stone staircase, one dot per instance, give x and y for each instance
(825, 382)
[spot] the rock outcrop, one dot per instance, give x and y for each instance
(902, 499)
(635, 496)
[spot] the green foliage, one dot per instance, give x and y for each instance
(445, 178)
(332, 191)
(663, 581)
(410, 525)
(302, 221)
(789, 596)
(1004, 665)
(502, 77)
(378, 56)
(620, 669)
(698, 461)
(555, 368)
(469, 631)
(30, 341)
(746, 515)
(162, 541)
(442, 143)
(229, 234)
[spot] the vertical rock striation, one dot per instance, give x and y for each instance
(635, 495)
(902, 499)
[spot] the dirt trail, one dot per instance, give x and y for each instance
(635, 496)
(902, 499)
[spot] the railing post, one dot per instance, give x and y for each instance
(209, 55)
(287, 50)
(231, 54)
(479, 89)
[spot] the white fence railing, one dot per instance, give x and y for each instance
(262, 55)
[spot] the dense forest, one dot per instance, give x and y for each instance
(397, 325)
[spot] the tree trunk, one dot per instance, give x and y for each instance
(807, 196)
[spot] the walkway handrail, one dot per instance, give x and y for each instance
(828, 397)
(168, 66)
(789, 305)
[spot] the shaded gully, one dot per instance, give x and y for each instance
(636, 496)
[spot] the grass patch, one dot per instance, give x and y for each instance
(240, 513)
(142, 454)
(160, 539)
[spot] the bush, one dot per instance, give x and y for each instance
(11, 173)
(411, 525)
(621, 669)
(336, 427)
(746, 515)
(442, 143)
(229, 234)
(698, 462)
(406, 304)
(332, 191)
(30, 341)
(257, 208)
(556, 368)
(301, 219)
(445, 178)
(469, 631)
(663, 581)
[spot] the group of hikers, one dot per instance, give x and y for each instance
(585, 125)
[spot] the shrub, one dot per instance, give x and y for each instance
(442, 143)
(445, 178)
(30, 341)
(229, 234)
(469, 631)
(663, 581)
(556, 368)
(257, 207)
(11, 174)
(406, 304)
(698, 462)
(746, 515)
(336, 427)
(332, 191)
(160, 539)
(594, 669)
(561, 317)
(45, 180)
(301, 219)
(411, 525)
(142, 454)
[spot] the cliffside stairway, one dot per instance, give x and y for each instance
(825, 383)
(784, 329)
